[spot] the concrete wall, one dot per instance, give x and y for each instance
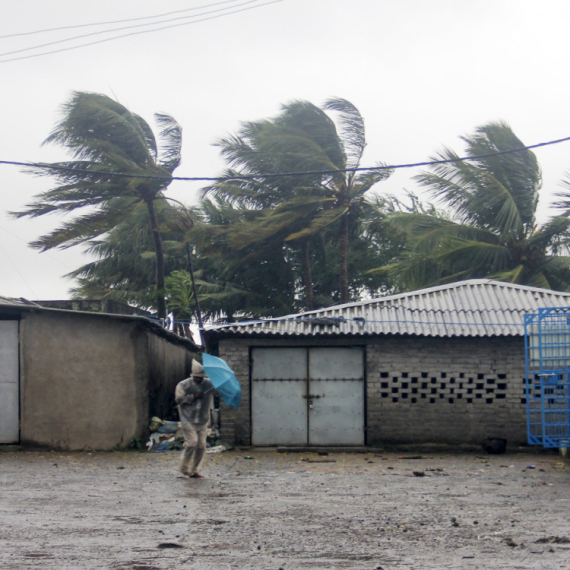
(85, 380)
(169, 363)
(418, 389)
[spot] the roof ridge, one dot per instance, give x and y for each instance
(473, 307)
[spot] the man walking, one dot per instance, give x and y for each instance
(194, 397)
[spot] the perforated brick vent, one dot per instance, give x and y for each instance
(442, 387)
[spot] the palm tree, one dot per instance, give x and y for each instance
(254, 280)
(489, 228)
(295, 209)
(103, 136)
(125, 261)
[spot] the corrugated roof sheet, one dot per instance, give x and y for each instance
(478, 308)
(12, 302)
(10, 307)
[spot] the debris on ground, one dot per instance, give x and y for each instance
(553, 540)
(168, 436)
(495, 445)
(165, 435)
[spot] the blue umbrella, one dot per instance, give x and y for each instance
(223, 379)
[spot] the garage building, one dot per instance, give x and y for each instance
(84, 380)
(439, 365)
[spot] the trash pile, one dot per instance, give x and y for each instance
(165, 435)
(168, 436)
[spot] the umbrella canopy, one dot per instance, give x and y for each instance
(223, 379)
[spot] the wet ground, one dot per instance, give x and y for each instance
(269, 510)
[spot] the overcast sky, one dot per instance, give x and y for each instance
(421, 73)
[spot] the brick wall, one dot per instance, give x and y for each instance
(423, 390)
(236, 424)
(452, 390)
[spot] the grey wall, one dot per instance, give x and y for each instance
(446, 390)
(419, 390)
(169, 364)
(85, 380)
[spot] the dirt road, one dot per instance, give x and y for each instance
(129, 510)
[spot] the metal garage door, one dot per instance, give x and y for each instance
(9, 388)
(308, 396)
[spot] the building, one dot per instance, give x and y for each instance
(84, 380)
(95, 306)
(439, 365)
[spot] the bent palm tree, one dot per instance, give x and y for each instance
(104, 136)
(490, 228)
(303, 138)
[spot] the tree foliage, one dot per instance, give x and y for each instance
(301, 215)
(490, 228)
(103, 136)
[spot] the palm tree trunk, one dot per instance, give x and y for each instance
(160, 301)
(343, 259)
(307, 276)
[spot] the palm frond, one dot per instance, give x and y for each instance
(84, 228)
(92, 121)
(322, 220)
(352, 133)
(316, 126)
(364, 181)
(170, 136)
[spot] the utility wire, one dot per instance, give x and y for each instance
(19, 34)
(55, 42)
(55, 167)
(137, 33)
(17, 271)
(44, 252)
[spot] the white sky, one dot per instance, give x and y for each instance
(421, 73)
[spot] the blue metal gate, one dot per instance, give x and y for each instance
(547, 360)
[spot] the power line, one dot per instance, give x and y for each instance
(135, 33)
(118, 30)
(47, 254)
(17, 270)
(19, 34)
(44, 166)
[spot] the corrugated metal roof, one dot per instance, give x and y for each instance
(12, 302)
(478, 307)
(10, 307)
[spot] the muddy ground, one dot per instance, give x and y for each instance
(269, 510)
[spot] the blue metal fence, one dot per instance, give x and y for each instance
(547, 361)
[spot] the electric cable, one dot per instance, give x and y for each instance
(17, 270)
(118, 30)
(169, 179)
(140, 32)
(19, 34)
(46, 253)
